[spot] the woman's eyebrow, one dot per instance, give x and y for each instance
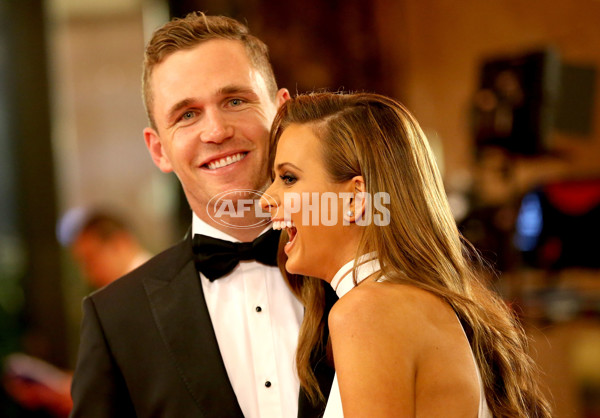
(280, 165)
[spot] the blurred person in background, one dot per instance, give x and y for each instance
(105, 248)
(102, 244)
(208, 327)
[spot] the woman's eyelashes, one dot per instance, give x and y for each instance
(288, 178)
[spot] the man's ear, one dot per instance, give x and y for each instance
(283, 95)
(156, 150)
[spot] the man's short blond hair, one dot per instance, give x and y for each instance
(195, 28)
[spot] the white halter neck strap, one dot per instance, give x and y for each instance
(343, 280)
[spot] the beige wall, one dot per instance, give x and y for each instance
(95, 63)
(98, 118)
(436, 46)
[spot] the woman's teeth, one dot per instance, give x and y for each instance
(291, 231)
(223, 162)
(283, 224)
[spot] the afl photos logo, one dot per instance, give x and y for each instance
(227, 208)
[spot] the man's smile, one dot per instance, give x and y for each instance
(221, 162)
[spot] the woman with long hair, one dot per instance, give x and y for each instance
(415, 331)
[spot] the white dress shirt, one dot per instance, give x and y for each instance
(256, 319)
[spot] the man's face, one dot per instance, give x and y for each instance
(213, 114)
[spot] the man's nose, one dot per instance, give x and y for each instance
(217, 128)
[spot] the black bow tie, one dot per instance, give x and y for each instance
(215, 257)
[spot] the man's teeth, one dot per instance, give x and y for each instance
(283, 224)
(226, 161)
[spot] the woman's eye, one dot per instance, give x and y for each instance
(288, 179)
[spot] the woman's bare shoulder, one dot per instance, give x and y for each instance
(379, 309)
(388, 336)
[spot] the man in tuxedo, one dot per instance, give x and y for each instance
(209, 327)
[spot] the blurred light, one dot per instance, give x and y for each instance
(529, 223)
(70, 224)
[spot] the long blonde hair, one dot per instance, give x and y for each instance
(375, 137)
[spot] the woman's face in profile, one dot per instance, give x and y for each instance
(307, 204)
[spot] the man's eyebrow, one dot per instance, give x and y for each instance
(177, 107)
(236, 89)
(281, 165)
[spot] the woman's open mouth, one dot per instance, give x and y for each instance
(291, 230)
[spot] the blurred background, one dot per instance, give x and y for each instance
(507, 92)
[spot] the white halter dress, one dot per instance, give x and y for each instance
(342, 283)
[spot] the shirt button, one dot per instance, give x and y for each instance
(267, 384)
(258, 309)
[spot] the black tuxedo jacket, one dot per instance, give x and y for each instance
(148, 348)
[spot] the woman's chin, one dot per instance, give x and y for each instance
(293, 267)
(290, 267)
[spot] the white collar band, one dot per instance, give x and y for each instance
(343, 281)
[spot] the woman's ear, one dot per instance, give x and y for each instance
(355, 209)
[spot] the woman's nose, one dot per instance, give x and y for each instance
(268, 201)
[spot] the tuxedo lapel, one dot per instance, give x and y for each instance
(184, 323)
